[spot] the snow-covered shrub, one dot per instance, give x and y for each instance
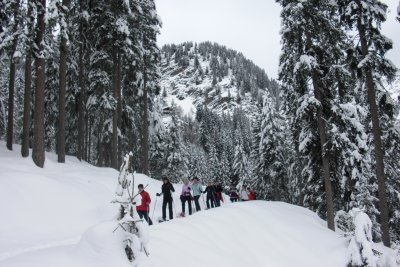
(135, 231)
(344, 222)
(360, 252)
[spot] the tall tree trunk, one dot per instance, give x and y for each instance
(376, 130)
(81, 107)
(38, 119)
(325, 156)
(119, 111)
(99, 145)
(145, 123)
(28, 84)
(323, 140)
(62, 85)
(82, 154)
(11, 84)
(88, 141)
(114, 139)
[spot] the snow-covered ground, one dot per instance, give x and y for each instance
(62, 216)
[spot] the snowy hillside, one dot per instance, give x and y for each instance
(211, 74)
(61, 216)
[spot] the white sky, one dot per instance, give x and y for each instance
(248, 26)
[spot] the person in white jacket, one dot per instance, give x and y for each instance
(244, 195)
(197, 189)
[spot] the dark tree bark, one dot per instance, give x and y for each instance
(88, 143)
(117, 96)
(323, 140)
(62, 86)
(325, 157)
(145, 125)
(376, 131)
(28, 84)
(11, 84)
(38, 119)
(82, 94)
(119, 111)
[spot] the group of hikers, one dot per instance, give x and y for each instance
(191, 192)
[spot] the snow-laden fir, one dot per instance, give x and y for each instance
(62, 216)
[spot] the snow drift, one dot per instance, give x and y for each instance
(62, 216)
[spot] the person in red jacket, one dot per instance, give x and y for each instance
(144, 208)
(252, 194)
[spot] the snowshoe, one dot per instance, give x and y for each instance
(162, 220)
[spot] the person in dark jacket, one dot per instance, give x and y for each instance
(166, 190)
(210, 190)
(218, 194)
(143, 209)
(233, 193)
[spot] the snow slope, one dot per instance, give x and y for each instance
(62, 216)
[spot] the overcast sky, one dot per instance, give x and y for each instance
(248, 26)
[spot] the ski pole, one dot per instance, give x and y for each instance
(191, 206)
(173, 205)
(150, 221)
(204, 202)
(222, 198)
(152, 216)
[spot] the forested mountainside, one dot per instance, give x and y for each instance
(213, 100)
(213, 75)
(394, 91)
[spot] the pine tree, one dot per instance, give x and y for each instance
(28, 80)
(38, 121)
(11, 41)
(241, 162)
(272, 183)
(149, 26)
(198, 163)
(64, 14)
(177, 159)
(213, 162)
(310, 40)
(391, 145)
(370, 46)
(82, 24)
(158, 137)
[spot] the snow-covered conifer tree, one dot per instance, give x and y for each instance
(369, 49)
(360, 252)
(272, 183)
(308, 32)
(158, 137)
(241, 162)
(177, 160)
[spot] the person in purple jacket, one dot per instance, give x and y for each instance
(186, 196)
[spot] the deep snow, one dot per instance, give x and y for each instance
(62, 216)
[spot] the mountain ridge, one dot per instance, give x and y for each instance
(213, 75)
